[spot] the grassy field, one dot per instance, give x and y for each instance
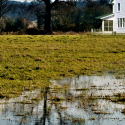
(29, 62)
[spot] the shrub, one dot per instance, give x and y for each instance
(20, 24)
(32, 31)
(9, 25)
(2, 24)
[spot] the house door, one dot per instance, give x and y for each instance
(108, 25)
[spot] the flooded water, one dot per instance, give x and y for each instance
(85, 100)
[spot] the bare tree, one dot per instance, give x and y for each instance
(48, 7)
(49, 4)
(5, 6)
(63, 17)
(37, 9)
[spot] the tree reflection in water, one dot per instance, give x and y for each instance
(68, 101)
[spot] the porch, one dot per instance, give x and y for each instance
(107, 25)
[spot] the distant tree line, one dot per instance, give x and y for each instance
(64, 17)
(9, 25)
(67, 18)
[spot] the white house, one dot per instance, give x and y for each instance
(114, 21)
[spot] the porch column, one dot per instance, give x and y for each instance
(102, 25)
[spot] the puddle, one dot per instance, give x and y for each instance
(86, 100)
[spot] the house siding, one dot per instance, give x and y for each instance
(120, 14)
(114, 16)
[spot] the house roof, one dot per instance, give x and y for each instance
(111, 1)
(105, 16)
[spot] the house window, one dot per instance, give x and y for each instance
(118, 7)
(121, 22)
(108, 25)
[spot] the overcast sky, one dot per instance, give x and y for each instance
(23, 0)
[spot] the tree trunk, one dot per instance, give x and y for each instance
(0, 9)
(47, 25)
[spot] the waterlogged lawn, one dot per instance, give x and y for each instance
(30, 62)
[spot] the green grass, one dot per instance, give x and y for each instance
(29, 62)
